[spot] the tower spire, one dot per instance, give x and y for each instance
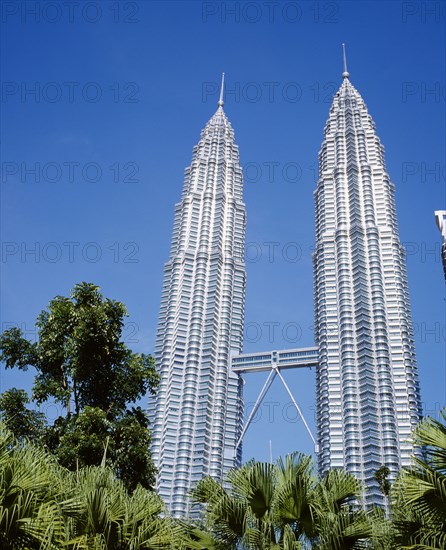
(345, 74)
(342, 259)
(222, 89)
(215, 282)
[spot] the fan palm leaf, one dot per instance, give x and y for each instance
(419, 494)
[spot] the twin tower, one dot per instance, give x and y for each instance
(367, 390)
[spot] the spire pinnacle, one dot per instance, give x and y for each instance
(222, 89)
(345, 74)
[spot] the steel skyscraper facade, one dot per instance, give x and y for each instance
(367, 384)
(197, 413)
(367, 392)
(440, 217)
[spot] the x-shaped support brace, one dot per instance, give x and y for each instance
(275, 371)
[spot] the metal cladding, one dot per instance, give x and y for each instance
(367, 391)
(197, 414)
(367, 383)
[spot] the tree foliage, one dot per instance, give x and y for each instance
(21, 421)
(284, 506)
(28, 489)
(82, 363)
(381, 476)
(90, 438)
(79, 356)
(43, 506)
(419, 495)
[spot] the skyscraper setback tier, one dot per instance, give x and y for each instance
(197, 413)
(367, 384)
(440, 216)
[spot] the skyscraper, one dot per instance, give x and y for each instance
(367, 384)
(197, 413)
(440, 217)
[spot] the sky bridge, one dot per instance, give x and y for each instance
(274, 362)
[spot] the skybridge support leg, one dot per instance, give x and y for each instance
(262, 394)
(316, 447)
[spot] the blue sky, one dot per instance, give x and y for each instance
(121, 92)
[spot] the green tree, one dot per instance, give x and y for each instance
(284, 506)
(29, 515)
(21, 421)
(419, 493)
(103, 516)
(381, 476)
(90, 437)
(44, 506)
(82, 364)
(338, 523)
